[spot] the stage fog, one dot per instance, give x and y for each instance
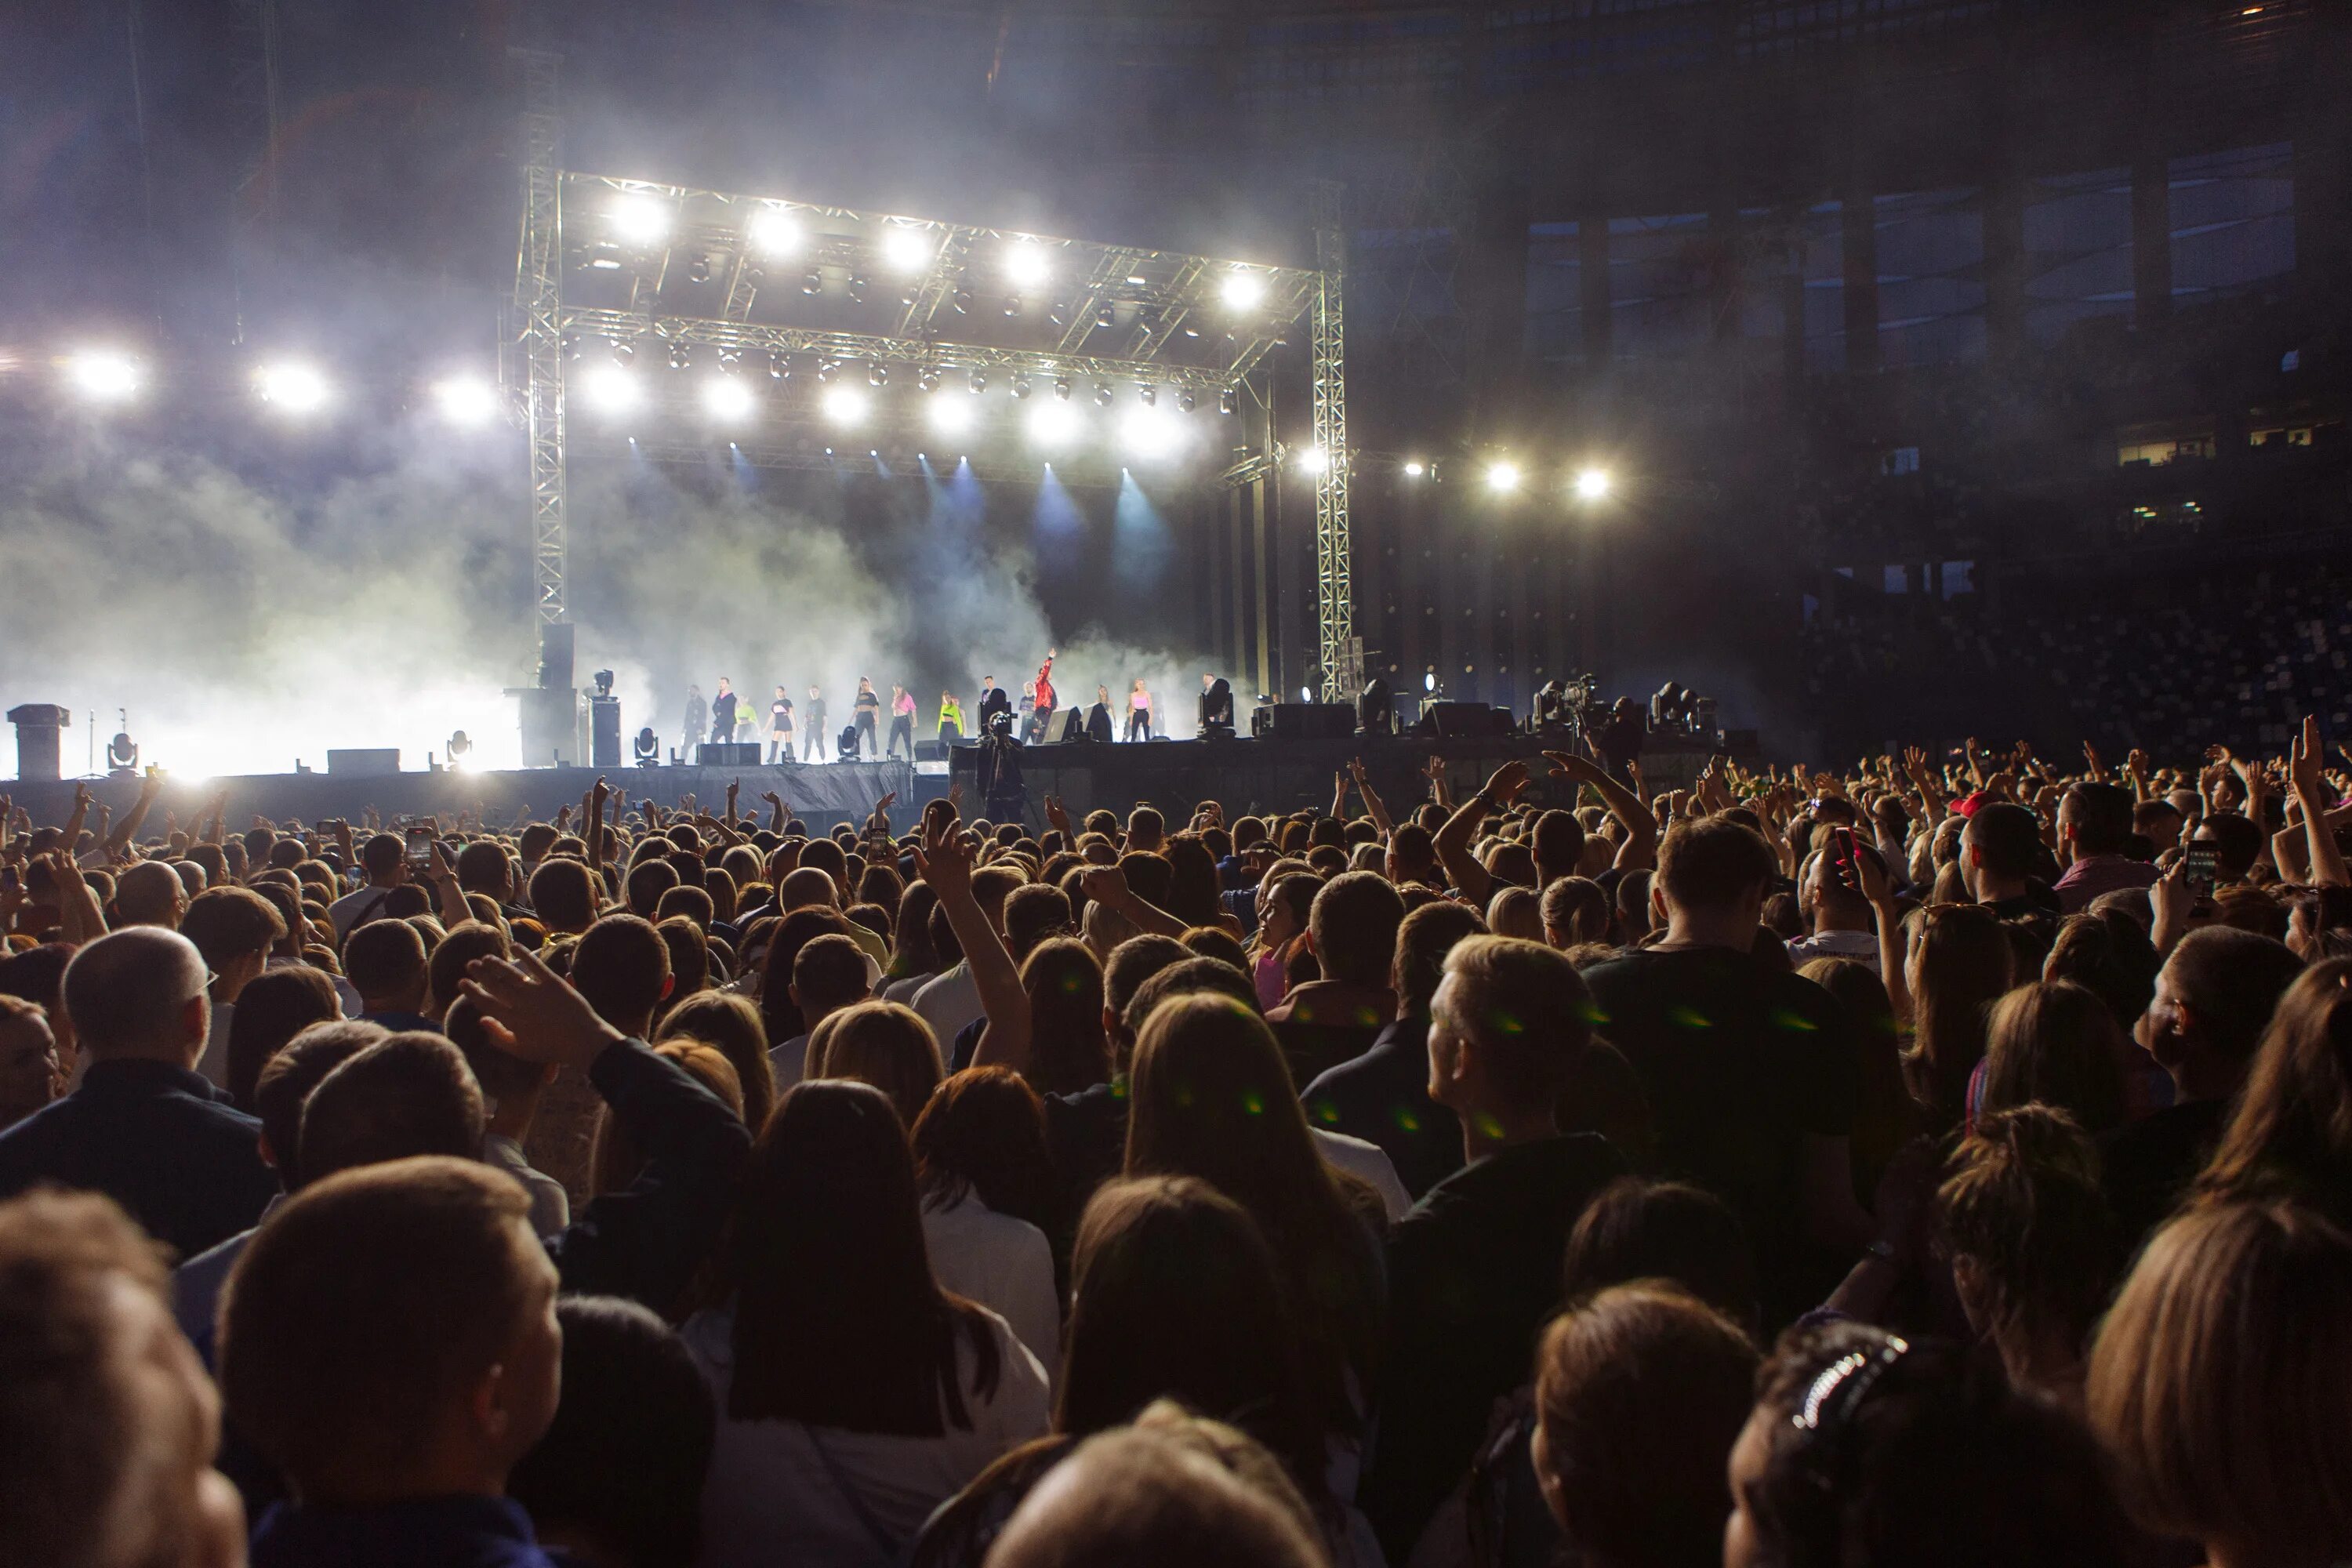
(246, 615)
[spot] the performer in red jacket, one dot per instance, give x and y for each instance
(1045, 693)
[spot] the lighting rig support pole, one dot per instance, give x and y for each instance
(539, 301)
(1334, 588)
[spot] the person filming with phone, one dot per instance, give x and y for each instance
(1828, 891)
(385, 861)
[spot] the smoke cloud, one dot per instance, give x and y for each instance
(242, 620)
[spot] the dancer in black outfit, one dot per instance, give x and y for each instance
(722, 713)
(812, 722)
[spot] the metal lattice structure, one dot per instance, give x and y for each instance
(1334, 597)
(538, 303)
(624, 273)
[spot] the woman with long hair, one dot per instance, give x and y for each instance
(1209, 1096)
(1283, 902)
(1958, 966)
(1068, 1050)
(986, 1178)
(2055, 1043)
(886, 1044)
(1192, 883)
(914, 957)
(730, 1022)
(856, 1395)
(2291, 1135)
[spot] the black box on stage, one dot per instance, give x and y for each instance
(1460, 720)
(930, 752)
(555, 643)
(37, 724)
(727, 754)
(1303, 721)
(604, 731)
(374, 762)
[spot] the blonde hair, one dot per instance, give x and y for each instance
(886, 1044)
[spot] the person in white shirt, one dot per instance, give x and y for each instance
(856, 1395)
(384, 859)
(829, 974)
(952, 1000)
(1839, 913)
(987, 1182)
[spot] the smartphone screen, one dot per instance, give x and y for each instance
(420, 845)
(1842, 849)
(2201, 865)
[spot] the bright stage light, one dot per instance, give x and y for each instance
(1028, 263)
(1053, 424)
(1502, 478)
(1243, 290)
(1591, 484)
(776, 231)
(609, 389)
(641, 219)
(843, 404)
(103, 376)
(949, 416)
(292, 386)
(1415, 469)
(1311, 460)
(726, 397)
(1151, 432)
(466, 400)
(906, 250)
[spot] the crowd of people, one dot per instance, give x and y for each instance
(1947, 1161)
(728, 717)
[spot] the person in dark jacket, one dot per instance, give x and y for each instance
(144, 1127)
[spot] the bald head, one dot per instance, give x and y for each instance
(140, 992)
(150, 894)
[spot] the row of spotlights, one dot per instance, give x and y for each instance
(613, 386)
(643, 220)
(293, 387)
(1503, 476)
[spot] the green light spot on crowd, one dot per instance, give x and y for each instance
(1253, 1103)
(1688, 1018)
(1784, 1019)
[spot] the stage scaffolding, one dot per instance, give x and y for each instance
(712, 290)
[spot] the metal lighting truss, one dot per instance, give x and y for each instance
(1334, 597)
(1115, 316)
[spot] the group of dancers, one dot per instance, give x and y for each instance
(729, 717)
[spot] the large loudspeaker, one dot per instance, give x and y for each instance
(605, 732)
(727, 754)
(555, 653)
(37, 724)
(1467, 720)
(372, 763)
(1303, 721)
(551, 726)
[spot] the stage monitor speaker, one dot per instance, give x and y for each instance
(37, 724)
(1468, 721)
(605, 732)
(727, 754)
(375, 763)
(555, 653)
(1303, 721)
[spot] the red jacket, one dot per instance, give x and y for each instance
(1045, 685)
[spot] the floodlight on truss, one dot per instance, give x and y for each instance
(1149, 432)
(1242, 289)
(773, 231)
(609, 389)
(1591, 484)
(103, 376)
(466, 400)
(1503, 476)
(907, 248)
(1054, 424)
(1311, 461)
(640, 219)
(843, 404)
(1028, 263)
(949, 415)
(727, 398)
(292, 386)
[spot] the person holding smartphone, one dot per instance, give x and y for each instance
(1830, 893)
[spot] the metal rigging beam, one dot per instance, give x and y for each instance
(1334, 587)
(539, 302)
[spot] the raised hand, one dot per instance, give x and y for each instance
(1577, 769)
(2303, 762)
(1105, 884)
(531, 1012)
(943, 858)
(1056, 817)
(2091, 761)
(1505, 785)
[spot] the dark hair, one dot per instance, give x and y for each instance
(1638, 1228)
(2237, 842)
(427, 1263)
(1577, 909)
(1354, 922)
(2022, 1197)
(1176, 1294)
(828, 975)
(1883, 1450)
(466, 941)
(1192, 881)
(912, 954)
(622, 966)
(2007, 837)
(1557, 844)
(407, 1094)
(1035, 912)
(2108, 952)
(226, 923)
(2102, 818)
(1528, 1009)
(1132, 962)
(1210, 1096)
(1712, 863)
(283, 1086)
(382, 956)
(2291, 1134)
(563, 894)
(1423, 939)
(275, 1005)
(794, 932)
(624, 1460)
(1194, 976)
(2231, 981)
(646, 884)
(1641, 1391)
(1068, 1050)
(2054, 1042)
(982, 1134)
(838, 1320)
(1962, 961)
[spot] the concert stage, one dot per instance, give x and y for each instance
(1245, 776)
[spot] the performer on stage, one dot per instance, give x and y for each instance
(698, 714)
(869, 708)
(993, 700)
(722, 712)
(1045, 698)
(1216, 705)
(1138, 711)
(1098, 717)
(1028, 728)
(902, 722)
(813, 725)
(780, 728)
(951, 718)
